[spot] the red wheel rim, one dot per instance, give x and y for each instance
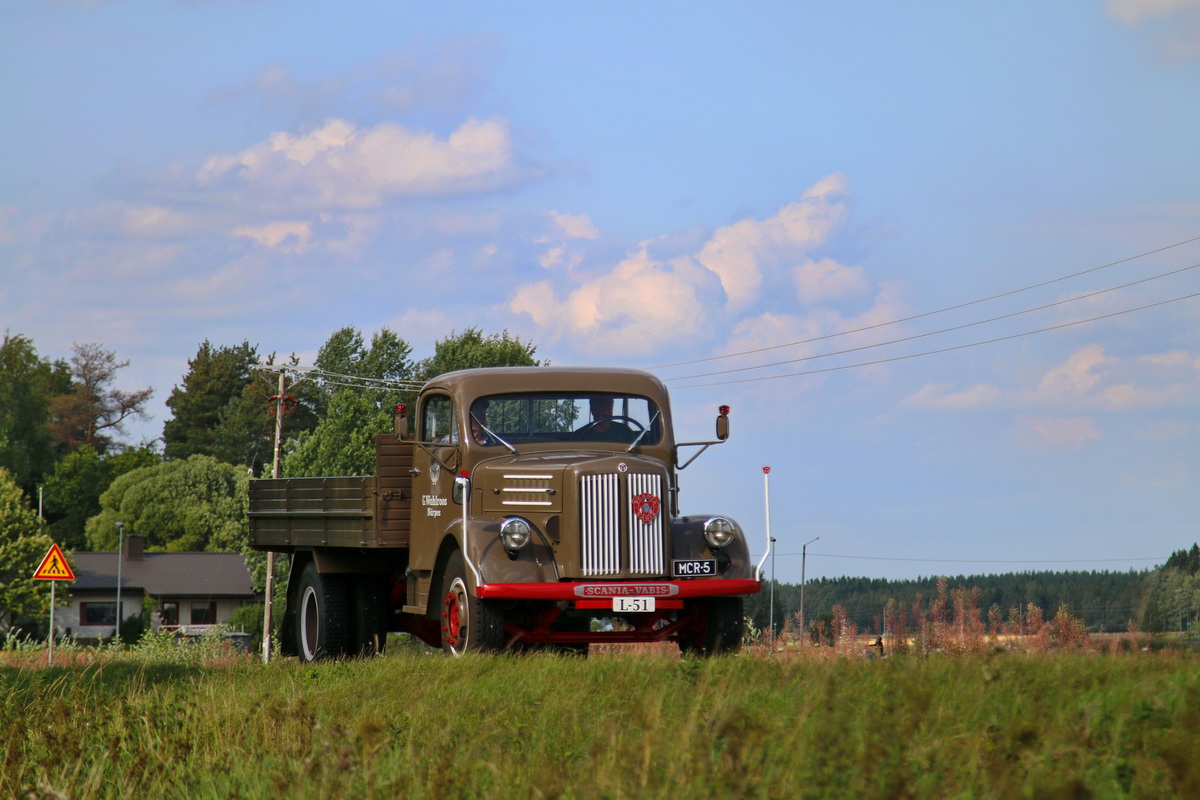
(453, 625)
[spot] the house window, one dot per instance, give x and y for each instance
(98, 613)
(204, 613)
(168, 614)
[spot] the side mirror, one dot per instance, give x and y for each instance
(723, 423)
(400, 422)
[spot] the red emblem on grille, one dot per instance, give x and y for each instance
(645, 508)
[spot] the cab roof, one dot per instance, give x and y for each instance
(472, 383)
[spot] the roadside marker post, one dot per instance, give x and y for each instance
(54, 568)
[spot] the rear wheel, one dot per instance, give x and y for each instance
(323, 616)
(370, 615)
(724, 626)
(468, 623)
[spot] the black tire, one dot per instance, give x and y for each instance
(322, 615)
(468, 623)
(370, 615)
(724, 626)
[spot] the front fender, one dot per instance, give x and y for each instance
(688, 542)
(533, 563)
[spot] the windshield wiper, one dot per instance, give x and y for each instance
(645, 430)
(494, 435)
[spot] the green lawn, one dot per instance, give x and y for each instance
(1077, 724)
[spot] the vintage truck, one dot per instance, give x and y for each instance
(527, 502)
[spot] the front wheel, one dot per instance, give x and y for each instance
(723, 628)
(468, 623)
(323, 617)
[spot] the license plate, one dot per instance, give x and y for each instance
(627, 605)
(697, 566)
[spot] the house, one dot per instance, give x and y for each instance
(191, 592)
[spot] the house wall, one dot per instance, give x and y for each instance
(71, 619)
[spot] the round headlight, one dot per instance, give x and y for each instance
(515, 533)
(719, 532)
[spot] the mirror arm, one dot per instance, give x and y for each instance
(702, 445)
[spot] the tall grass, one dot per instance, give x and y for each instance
(636, 723)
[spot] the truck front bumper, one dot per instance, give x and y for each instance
(584, 591)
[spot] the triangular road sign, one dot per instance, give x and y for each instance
(54, 567)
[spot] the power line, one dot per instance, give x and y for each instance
(943, 330)
(355, 381)
(944, 349)
(931, 313)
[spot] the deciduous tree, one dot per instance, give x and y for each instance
(23, 544)
(471, 349)
(197, 503)
(93, 410)
(28, 383)
(72, 493)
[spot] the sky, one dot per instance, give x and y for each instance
(938, 258)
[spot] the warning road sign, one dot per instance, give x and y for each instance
(54, 567)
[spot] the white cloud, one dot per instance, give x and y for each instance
(1087, 379)
(818, 281)
(289, 236)
(340, 165)
(639, 306)
(723, 283)
(1061, 434)
(574, 226)
(1173, 26)
(1133, 12)
(940, 396)
(748, 253)
(1077, 375)
(147, 221)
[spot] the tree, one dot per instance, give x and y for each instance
(345, 353)
(27, 385)
(93, 409)
(72, 493)
(343, 443)
(216, 377)
(23, 544)
(245, 432)
(472, 350)
(194, 504)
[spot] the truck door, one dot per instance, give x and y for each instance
(435, 459)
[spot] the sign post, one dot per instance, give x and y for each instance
(54, 568)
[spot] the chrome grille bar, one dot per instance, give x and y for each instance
(601, 523)
(607, 530)
(645, 538)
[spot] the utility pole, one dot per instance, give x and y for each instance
(120, 558)
(771, 616)
(803, 565)
(270, 589)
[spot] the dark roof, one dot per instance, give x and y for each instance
(183, 574)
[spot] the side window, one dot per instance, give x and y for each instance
(437, 421)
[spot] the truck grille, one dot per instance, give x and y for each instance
(609, 519)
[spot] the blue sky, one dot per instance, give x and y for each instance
(647, 184)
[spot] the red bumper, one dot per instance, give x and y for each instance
(593, 590)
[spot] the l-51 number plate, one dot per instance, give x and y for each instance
(628, 605)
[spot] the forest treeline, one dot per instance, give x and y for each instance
(1166, 598)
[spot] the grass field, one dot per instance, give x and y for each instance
(626, 723)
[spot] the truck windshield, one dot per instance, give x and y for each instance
(565, 417)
